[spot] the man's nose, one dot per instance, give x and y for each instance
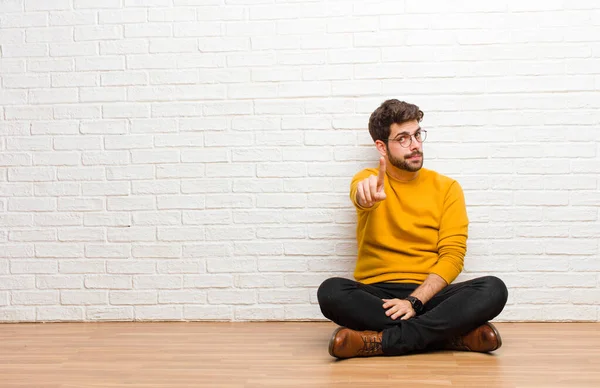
(415, 145)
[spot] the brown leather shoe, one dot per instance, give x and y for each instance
(346, 343)
(484, 338)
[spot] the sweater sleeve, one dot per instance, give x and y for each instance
(453, 233)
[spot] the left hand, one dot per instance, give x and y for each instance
(398, 308)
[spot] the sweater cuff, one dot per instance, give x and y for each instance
(446, 270)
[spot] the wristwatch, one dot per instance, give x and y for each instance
(417, 305)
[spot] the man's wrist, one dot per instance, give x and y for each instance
(416, 304)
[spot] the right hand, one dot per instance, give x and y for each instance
(371, 190)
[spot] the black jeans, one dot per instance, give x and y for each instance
(455, 310)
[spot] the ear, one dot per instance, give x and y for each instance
(381, 148)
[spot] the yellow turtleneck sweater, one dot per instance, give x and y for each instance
(420, 228)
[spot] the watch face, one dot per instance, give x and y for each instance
(416, 304)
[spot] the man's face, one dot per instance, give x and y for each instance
(408, 158)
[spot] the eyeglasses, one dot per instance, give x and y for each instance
(405, 140)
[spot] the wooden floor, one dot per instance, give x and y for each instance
(281, 355)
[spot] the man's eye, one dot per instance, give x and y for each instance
(402, 139)
(418, 135)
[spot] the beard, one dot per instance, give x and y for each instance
(403, 164)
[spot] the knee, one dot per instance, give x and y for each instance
(495, 289)
(329, 291)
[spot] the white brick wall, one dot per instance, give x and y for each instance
(190, 159)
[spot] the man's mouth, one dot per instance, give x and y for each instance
(414, 156)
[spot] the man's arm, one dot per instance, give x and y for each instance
(431, 286)
(369, 191)
(402, 308)
(453, 234)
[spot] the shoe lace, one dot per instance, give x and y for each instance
(371, 344)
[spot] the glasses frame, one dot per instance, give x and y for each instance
(423, 138)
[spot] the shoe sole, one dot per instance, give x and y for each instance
(332, 341)
(497, 333)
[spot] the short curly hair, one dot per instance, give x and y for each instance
(389, 112)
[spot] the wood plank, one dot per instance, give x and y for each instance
(280, 354)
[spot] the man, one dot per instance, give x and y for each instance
(411, 233)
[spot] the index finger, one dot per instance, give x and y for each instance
(381, 176)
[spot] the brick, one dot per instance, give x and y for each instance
(157, 218)
(231, 297)
(180, 171)
(147, 3)
(10, 50)
(281, 200)
(133, 297)
(108, 282)
(59, 314)
(20, 266)
(269, 185)
(81, 234)
(193, 29)
(17, 282)
(177, 14)
(157, 251)
(157, 282)
(206, 217)
(112, 219)
(17, 314)
(108, 250)
(302, 312)
(259, 281)
(44, 282)
(130, 267)
(214, 313)
(14, 129)
(182, 297)
(283, 296)
(16, 189)
(156, 187)
(304, 280)
(31, 174)
(232, 265)
(32, 235)
(130, 234)
(79, 111)
(68, 50)
(218, 233)
(28, 113)
(80, 204)
(85, 298)
(208, 281)
(98, 33)
(176, 109)
(311, 248)
(162, 77)
(109, 313)
(180, 234)
(258, 248)
(229, 201)
(15, 159)
(276, 264)
(80, 173)
(259, 313)
(182, 267)
(81, 266)
(100, 64)
(72, 18)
